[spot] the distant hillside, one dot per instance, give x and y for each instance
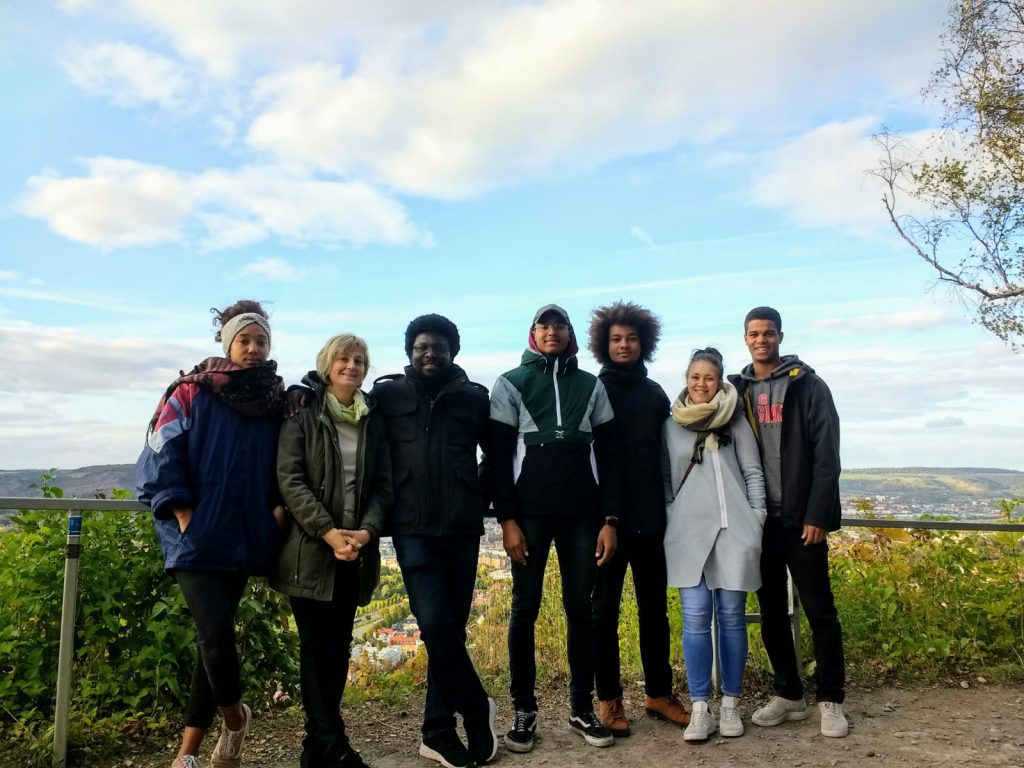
(83, 482)
(933, 484)
(923, 484)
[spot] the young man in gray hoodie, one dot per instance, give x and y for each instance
(792, 414)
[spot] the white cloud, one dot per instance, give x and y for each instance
(7, 275)
(35, 281)
(60, 361)
(274, 269)
(599, 81)
(641, 234)
(127, 74)
(911, 319)
(945, 422)
(123, 203)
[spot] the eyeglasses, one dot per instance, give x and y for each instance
(556, 327)
(437, 349)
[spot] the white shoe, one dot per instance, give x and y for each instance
(702, 723)
(186, 761)
(228, 752)
(729, 720)
(779, 710)
(833, 721)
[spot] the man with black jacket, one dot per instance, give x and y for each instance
(435, 419)
(622, 337)
(792, 414)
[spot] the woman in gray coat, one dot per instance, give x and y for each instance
(715, 493)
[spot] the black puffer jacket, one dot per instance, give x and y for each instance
(433, 443)
(641, 407)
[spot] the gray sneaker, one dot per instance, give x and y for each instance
(228, 752)
(833, 721)
(778, 710)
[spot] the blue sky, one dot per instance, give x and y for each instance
(356, 164)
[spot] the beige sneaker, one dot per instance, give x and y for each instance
(833, 721)
(186, 761)
(228, 752)
(778, 710)
(729, 721)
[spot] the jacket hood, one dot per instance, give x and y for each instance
(635, 370)
(570, 351)
(790, 365)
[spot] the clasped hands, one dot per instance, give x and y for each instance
(346, 544)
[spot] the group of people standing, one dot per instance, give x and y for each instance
(716, 493)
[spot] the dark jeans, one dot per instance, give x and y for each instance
(439, 574)
(325, 637)
(645, 554)
(212, 598)
(575, 539)
(809, 566)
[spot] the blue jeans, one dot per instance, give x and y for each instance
(730, 613)
(439, 574)
(575, 539)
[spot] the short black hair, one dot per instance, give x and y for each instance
(763, 313)
(432, 323)
(647, 325)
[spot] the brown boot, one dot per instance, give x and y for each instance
(667, 708)
(613, 717)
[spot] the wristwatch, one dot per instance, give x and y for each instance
(612, 521)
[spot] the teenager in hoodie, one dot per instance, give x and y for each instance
(623, 336)
(794, 419)
(436, 418)
(548, 420)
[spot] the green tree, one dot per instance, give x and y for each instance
(970, 179)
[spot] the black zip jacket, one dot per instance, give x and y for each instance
(641, 407)
(810, 449)
(433, 441)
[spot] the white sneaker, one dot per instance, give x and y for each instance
(729, 719)
(779, 710)
(186, 761)
(228, 752)
(702, 723)
(833, 721)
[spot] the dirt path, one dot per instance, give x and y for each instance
(927, 727)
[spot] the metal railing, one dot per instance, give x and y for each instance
(75, 508)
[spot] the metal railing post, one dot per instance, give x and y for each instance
(67, 639)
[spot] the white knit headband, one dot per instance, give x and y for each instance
(231, 328)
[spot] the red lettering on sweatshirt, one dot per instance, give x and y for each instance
(769, 414)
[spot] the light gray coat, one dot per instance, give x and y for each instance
(716, 521)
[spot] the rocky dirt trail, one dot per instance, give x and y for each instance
(933, 727)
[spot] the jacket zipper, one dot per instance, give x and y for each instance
(558, 400)
(720, 488)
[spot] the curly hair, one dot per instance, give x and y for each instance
(647, 325)
(240, 307)
(438, 324)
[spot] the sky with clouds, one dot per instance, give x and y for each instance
(355, 164)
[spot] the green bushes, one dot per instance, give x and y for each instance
(134, 640)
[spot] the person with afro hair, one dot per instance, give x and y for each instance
(623, 336)
(436, 418)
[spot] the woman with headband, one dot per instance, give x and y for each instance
(208, 474)
(716, 510)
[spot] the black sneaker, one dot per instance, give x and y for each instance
(351, 759)
(482, 734)
(520, 736)
(595, 734)
(448, 750)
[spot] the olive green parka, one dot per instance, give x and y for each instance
(310, 476)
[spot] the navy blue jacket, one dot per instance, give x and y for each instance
(206, 455)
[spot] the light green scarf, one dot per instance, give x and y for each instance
(350, 413)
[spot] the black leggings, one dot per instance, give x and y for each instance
(213, 598)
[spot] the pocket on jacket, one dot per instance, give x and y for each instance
(403, 426)
(406, 509)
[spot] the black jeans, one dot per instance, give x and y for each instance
(325, 637)
(645, 554)
(783, 548)
(212, 598)
(575, 539)
(439, 574)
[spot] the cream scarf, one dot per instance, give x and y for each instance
(706, 417)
